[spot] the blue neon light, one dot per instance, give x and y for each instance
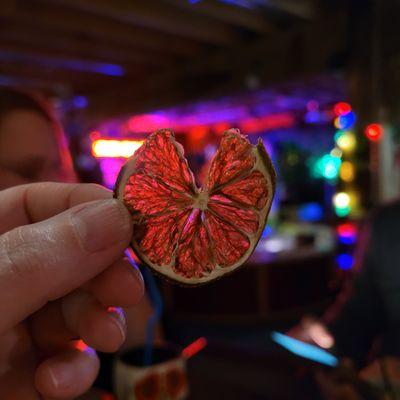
(305, 350)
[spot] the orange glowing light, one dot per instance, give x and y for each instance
(347, 171)
(115, 148)
(374, 132)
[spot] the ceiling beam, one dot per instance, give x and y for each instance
(14, 38)
(299, 8)
(158, 16)
(76, 79)
(55, 62)
(49, 86)
(82, 25)
(290, 56)
(7, 7)
(248, 19)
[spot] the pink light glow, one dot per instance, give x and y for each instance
(254, 125)
(148, 122)
(341, 108)
(219, 120)
(110, 168)
(115, 148)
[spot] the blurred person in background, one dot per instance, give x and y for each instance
(32, 144)
(33, 149)
(363, 326)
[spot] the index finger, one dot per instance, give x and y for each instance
(26, 204)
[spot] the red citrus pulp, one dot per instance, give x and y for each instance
(195, 235)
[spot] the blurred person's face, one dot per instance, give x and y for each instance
(28, 150)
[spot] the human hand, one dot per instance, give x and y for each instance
(61, 268)
(338, 384)
(345, 383)
(312, 331)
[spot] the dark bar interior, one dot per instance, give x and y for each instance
(206, 303)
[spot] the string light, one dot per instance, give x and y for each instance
(346, 141)
(336, 152)
(327, 167)
(347, 233)
(344, 261)
(374, 132)
(341, 203)
(345, 121)
(347, 171)
(341, 200)
(341, 108)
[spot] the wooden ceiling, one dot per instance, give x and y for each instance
(131, 55)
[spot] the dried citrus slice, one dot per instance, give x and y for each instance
(194, 235)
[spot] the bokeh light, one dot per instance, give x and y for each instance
(344, 261)
(310, 212)
(342, 204)
(336, 152)
(341, 108)
(347, 233)
(327, 167)
(347, 171)
(374, 132)
(346, 141)
(341, 200)
(345, 121)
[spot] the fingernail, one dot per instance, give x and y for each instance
(101, 224)
(58, 375)
(118, 316)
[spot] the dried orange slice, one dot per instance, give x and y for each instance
(194, 235)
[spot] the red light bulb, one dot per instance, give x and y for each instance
(346, 230)
(341, 108)
(374, 132)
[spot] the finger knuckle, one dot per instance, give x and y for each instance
(20, 253)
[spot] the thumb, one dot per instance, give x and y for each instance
(46, 260)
